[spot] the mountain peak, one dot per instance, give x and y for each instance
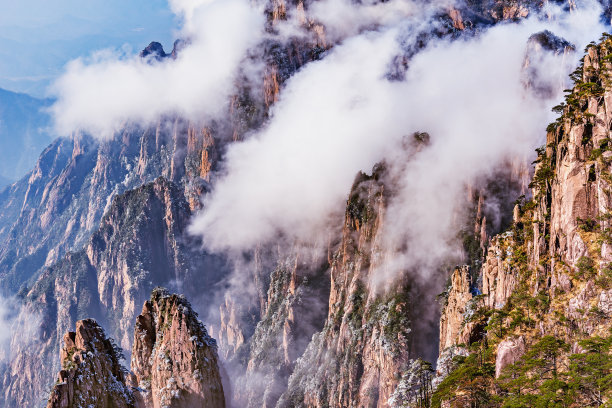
(174, 359)
(154, 50)
(91, 373)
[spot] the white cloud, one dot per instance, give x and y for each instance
(100, 94)
(343, 18)
(326, 126)
(470, 96)
(18, 328)
(340, 115)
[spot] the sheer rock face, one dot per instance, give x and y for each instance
(272, 341)
(452, 328)
(371, 335)
(141, 242)
(498, 277)
(580, 190)
(91, 374)
(557, 254)
(489, 277)
(48, 218)
(231, 334)
(174, 361)
(366, 342)
(293, 310)
(577, 198)
(25, 382)
(59, 205)
(242, 308)
(477, 13)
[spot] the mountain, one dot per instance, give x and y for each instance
(91, 372)
(97, 225)
(141, 242)
(91, 232)
(539, 334)
(24, 133)
(174, 362)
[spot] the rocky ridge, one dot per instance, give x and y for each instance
(174, 362)
(366, 338)
(141, 242)
(70, 222)
(244, 330)
(93, 281)
(60, 204)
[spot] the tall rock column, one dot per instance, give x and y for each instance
(452, 328)
(174, 360)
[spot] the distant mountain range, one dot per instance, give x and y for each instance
(24, 132)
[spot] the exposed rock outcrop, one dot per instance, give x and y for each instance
(78, 262)
(293, 311)
(498, 277)
(453, 330)
(155, 51)
(141, 242)
(174, 360)
(546, 281)
(91, 374)
(57, 208)
(366, 340)
(59, 205)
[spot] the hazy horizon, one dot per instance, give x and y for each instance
(36, 41)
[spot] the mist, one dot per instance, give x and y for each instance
(285, 185)
(344, 18)
(288, 183)
(14, 318)
(343, 114)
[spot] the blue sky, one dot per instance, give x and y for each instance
(38, 37)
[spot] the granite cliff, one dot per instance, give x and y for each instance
(174, 362)
(540, 331)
